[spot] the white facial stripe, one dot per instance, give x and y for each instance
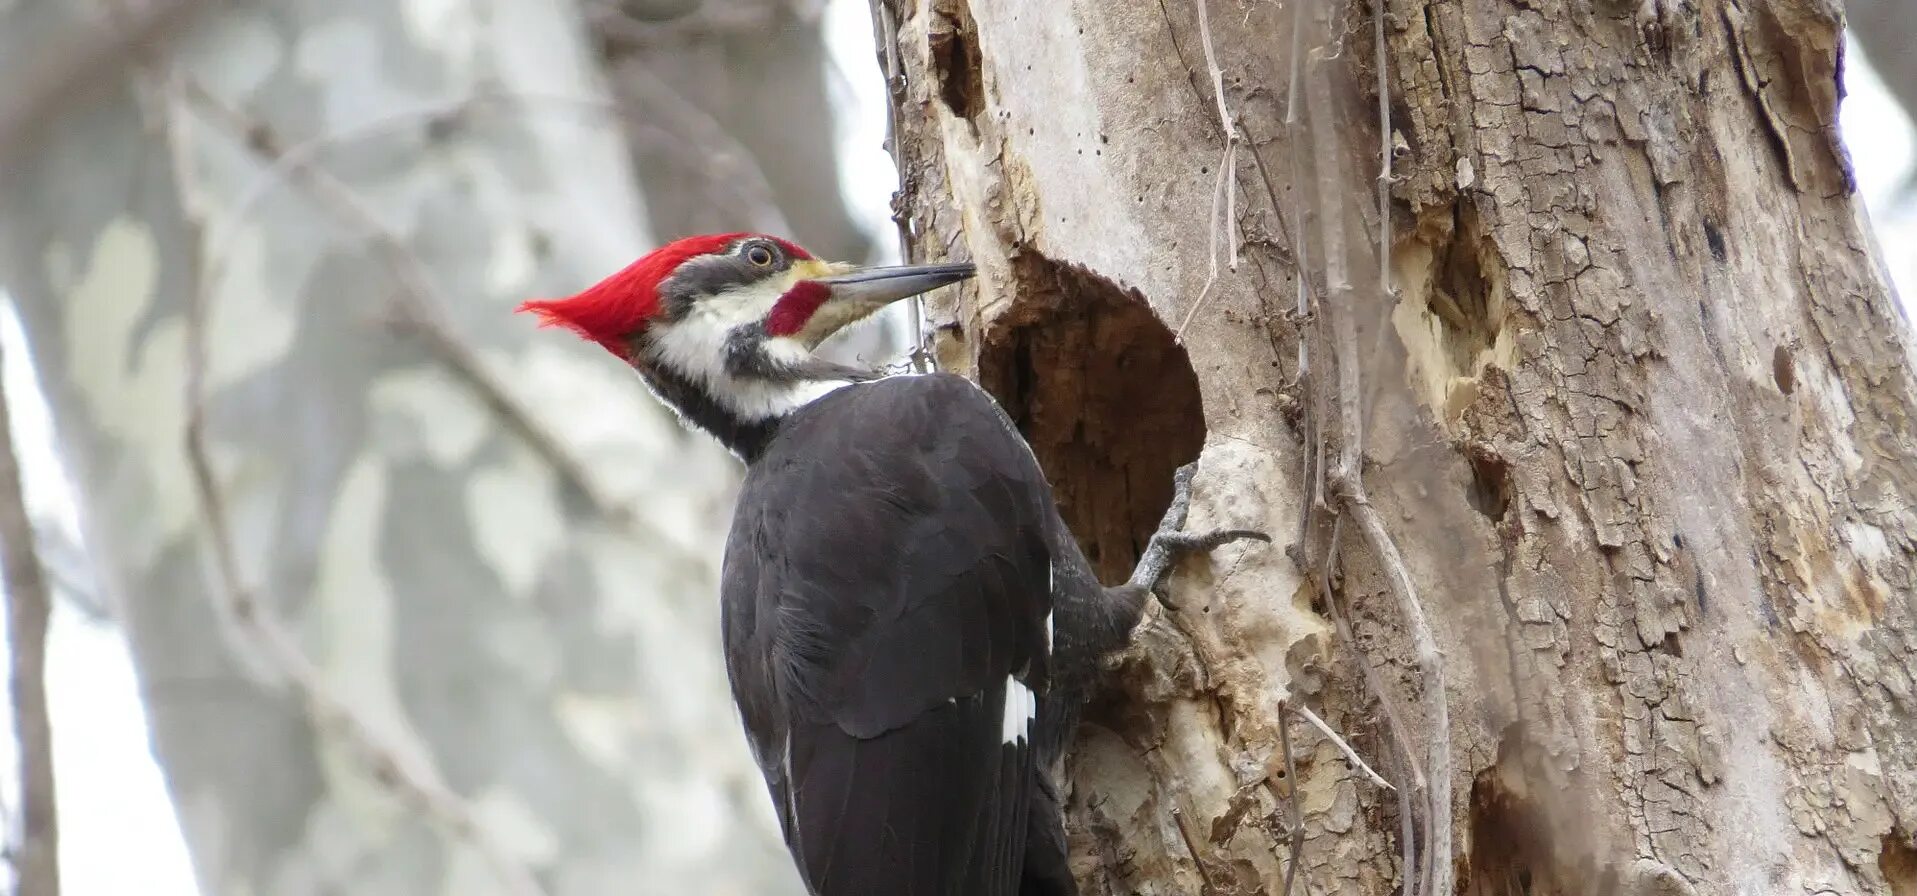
(1021, 707)
(695, 347)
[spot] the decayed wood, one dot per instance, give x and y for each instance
(1636, 414)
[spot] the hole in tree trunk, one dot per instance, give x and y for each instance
(1526, 838)
(955, 57)
(1107, 399)
(1784, 370)
(1490, 484)
(1898, 862)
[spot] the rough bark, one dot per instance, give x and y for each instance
(1637, 418)
(420, 603)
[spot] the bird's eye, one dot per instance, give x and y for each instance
(759, 255)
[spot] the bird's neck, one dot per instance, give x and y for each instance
(745, 421)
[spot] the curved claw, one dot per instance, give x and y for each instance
(1169, 544)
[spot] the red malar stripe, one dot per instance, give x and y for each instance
(796, 307)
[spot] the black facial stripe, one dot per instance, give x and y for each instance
(747, 438)
(710, 275)
(745, 354)
(746, 358)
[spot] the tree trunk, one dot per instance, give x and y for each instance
(1601, 525)
(420, 603)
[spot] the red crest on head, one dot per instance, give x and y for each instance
(615, 309)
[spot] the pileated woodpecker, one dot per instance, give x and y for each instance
(909, 627)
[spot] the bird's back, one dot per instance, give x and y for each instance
(887, 592)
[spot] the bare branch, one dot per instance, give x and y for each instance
(418, 307)
(1337, 324)
(1407, 823)
(1431, 667)
(1211, 279)
(1225, 189)
(412, 782)
(1297, 812)
(72, 64)
(29, 607)
(1384, 151)
(1315, 457)
(1340, 743)
(740, 180)
(885, 37)
(1387, 703)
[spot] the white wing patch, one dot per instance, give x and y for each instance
(1021, 707)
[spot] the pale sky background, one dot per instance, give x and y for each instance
(118, 834)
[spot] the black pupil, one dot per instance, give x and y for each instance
(759, 255)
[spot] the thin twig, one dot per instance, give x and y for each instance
(1227, 125)
(1384, 154)
(1385, 237)
(1438, 879)
(885, 38)
(1224, 198)
(1314, 459)
(1338, 309)
(415, 783)
(1431, 667)
(1407, 824)
(1394, 719)
(742, 181)
(1350, 753)
(1291, 793)
(1191, 846)
(1306, 299)
(1344, 475)
(1384, 286)
(29, 606)
(1211, 279)
(1388, 704)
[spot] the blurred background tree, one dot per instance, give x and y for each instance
(419, 602)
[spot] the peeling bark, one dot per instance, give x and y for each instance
(1638, 416)
(443, 622)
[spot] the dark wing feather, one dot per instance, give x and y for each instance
(887, 578)
(920, 810)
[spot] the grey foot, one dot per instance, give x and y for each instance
(1172, 543)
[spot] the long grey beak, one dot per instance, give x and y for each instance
(878, 286)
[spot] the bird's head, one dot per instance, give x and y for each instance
(733, 319)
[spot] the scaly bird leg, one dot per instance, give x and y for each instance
(1171, 543)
